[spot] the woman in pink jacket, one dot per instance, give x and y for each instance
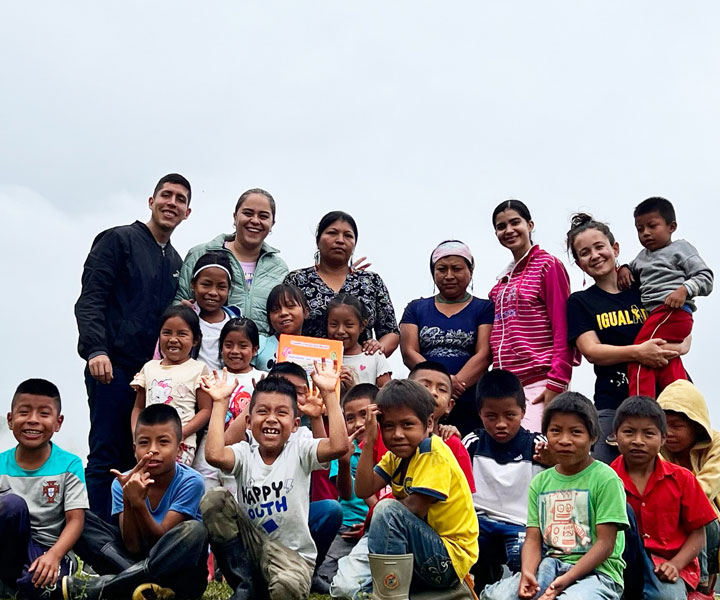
(529, 335)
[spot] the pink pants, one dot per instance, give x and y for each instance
(532, 421)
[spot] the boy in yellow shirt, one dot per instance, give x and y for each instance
(431, 514)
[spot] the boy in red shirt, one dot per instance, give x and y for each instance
(670, 506)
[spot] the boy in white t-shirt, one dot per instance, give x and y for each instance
(264, 537)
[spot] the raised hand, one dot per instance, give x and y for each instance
(312, 406)
(371, 425)
(217, 386)
(360, 264)
(325, 376)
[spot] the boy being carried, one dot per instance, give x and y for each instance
(42, 494)
(503, 465)
(431, 515)
(266, 538)
(671, 274)
(160, 543)
(667, 501)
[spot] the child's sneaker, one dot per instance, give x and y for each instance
(152, 591)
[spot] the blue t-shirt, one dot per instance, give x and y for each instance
(183, 495)
(451, 341)
(354, 510)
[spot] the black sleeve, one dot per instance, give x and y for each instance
(98, 280)
(579, 319)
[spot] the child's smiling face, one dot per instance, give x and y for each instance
(211, 289)
(176, 340)
(569, 441)
(33, 420)
(237, 351)
(287, 317)
(344, 325)
(271, 421)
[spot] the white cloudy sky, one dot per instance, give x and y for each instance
(416, 117)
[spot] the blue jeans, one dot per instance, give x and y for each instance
(110, 439)
(595, 586)
(396, 530)
(499, 544)
(708, 556)
(324, 520)
(18, 550)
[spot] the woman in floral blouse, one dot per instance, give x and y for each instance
(333, 273)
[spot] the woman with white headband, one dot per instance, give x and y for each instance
(256, 267)
(451, 328)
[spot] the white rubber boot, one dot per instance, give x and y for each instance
(391, 576)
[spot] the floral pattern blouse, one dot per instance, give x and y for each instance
(366, 286)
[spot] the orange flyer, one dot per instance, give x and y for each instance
(306, 350)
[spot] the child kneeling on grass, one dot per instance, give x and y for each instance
(263, 539)
(431, 514)
(577, 509)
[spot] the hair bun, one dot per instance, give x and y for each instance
(579, 219)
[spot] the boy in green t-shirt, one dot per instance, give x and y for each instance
(577, 509)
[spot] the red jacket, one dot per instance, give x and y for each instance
(529, 335)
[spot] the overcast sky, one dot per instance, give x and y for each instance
(416, 117)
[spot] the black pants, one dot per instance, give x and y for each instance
(178, 560)
(110, 439)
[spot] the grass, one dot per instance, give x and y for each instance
(221, 591)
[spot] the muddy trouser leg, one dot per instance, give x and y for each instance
(286, 573)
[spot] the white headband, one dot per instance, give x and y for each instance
(212, 265)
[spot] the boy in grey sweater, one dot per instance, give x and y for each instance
(671, 274)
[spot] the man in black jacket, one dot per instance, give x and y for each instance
(129, 278)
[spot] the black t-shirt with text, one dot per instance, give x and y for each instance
(616, 319)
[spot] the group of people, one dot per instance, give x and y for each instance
(481, 463)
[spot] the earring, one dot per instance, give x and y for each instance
(584, 282)
(317, 257)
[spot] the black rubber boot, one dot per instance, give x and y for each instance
(237, 568)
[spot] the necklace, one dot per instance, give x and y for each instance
(442, 300)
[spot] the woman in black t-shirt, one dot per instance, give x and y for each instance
(603, 322)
